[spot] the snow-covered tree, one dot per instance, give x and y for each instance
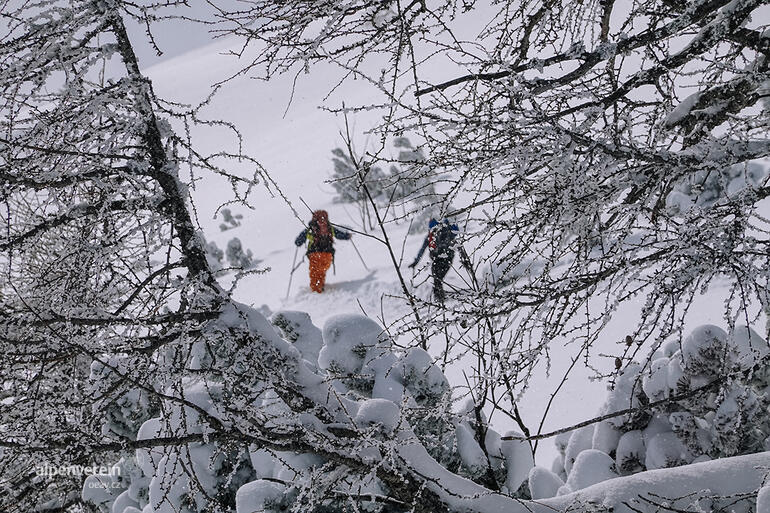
(596, 152)
(355, 185)
(414, 184)
(407, 191)
(229, 220)
(701, 398)
(104, 272)
(121, 349)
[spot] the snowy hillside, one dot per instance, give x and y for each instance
(295, 149)
(284, 127)
(550, 286)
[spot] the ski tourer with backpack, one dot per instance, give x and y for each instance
(440, 241)
(319, 236)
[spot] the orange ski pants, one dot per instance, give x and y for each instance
(319, 264)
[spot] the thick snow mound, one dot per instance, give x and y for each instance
(750, 347)
(655, 380)
(581, 440)
(763, 499)
(741, 408)
(98, 490)
(606, 437)
(561, 440)
(258, 495)
(380, 412)
(631, 452)
(682, 110)
(518, 460)
(543, 483)
(350, 342)
(728, 421)
(424, 380)
(675, 371)
(708, 350)
(557, 467)
(704, 350)
(666, 450)
(124, 503)
(297, 328)
(620, 397)
(659, 423)
(723, 477)
(471, 454)
(172, 484)
(591, 467)
(148, 459)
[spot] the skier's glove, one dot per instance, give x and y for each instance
(412, 265)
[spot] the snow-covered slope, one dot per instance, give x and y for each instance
(284, 128)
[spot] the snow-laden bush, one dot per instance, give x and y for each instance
(543, 483)
(182, 478)
(704, 189)
(389, 397)
(503, 273)
(728, 417)
(237, 257)
(407, 183)
(591, 466)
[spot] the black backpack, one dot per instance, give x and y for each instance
(321, 240)
(441, 239)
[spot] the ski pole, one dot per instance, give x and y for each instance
(465, 260)
(297, 266)
(291, 274)
(359, 254)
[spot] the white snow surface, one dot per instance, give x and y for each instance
(763, 499)
(606, 437)
(666, 450)
(746, 475)
(655, 381)
(380, 412)
(519, 461)
(630, 451)
(470, 451)
(682, 110)
(543, 483)
(591, 466)
(352, 342)
(293, 142)
(581, 440)
(298, 328)
(258, 495)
